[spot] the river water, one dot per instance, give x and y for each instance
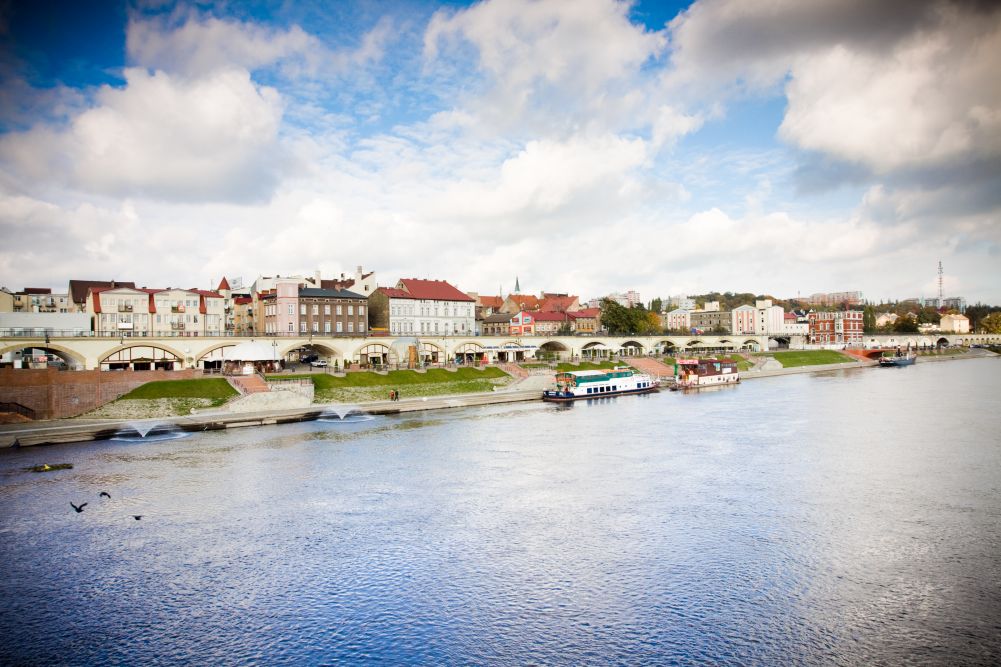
(851, 517)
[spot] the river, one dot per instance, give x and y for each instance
(850, 517)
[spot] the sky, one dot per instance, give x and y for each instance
(583, 146)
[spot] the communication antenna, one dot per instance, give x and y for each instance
(941, 294)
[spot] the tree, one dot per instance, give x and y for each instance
(615, 318)
(906, 324)
(991, 323)
(869, 320)
(657, 305)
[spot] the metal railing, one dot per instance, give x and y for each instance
(17, 408)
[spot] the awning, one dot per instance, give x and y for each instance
(251, 352)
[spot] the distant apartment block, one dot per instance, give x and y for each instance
(835, 298)
(679, 319)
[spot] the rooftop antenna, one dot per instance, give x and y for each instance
(941, 294)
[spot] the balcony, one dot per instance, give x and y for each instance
(177, 325)
(125, 308)
(177, 309)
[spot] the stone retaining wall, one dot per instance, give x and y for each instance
(54, 394)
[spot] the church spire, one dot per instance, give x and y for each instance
(517, 286)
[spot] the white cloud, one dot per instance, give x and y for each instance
(580, 58)
(933, 101)
(204, 139)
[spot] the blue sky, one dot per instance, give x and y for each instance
(591, 146)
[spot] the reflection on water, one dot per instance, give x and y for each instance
(849, 517)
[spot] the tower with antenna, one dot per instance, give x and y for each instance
(941, 293)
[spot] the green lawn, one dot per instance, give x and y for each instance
(216, 390)
(365, 386)
(793, 358)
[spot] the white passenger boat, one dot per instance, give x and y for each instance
(573, 385)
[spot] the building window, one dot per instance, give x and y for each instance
(302, 326)
(340, 309)
(340, 325)
(290, 329)
(316, 309)
(291, 310)
(326, 309)
(302, 309)
(316, 326)
(326, 326)
(351, 327)
(361, 310)
(351, 310)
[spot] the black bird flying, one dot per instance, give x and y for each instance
(135, 516)
(78, 508)
(104, 494)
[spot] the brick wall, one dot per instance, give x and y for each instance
(54, 394)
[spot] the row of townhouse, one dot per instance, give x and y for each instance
(130, 311)
(763, 318)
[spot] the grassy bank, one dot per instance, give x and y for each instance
(167, 398)
(364, 386)
(216, 390)
(589, 365)
(794, 358)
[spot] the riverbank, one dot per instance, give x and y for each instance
(79, 430)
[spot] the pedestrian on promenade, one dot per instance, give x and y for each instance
(396, 393)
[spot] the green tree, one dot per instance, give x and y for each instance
(657, 305)
(906, 324)
(869, 320)
(991, 323)
(616, 318)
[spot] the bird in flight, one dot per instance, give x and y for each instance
(104, 494)
(134, 516)
(78, 508)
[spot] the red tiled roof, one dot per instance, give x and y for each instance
(242, 300)
(553, 303)
(205, 292)
(586, 312)
(223, 284)
(394, 293)
(525, 301)
(790, 316)
(37, 290)
(437, 290)
(491, 301)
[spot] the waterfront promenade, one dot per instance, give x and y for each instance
(529, 389)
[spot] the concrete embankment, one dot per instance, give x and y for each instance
(24, 435)
(54, 432)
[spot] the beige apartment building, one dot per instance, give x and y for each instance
(130, 311)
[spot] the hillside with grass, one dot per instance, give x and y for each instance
(367, 386)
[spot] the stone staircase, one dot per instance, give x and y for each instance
(651, 367)
(248, 384)
(514, 370)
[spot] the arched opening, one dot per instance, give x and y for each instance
(142, 358)
(376, 355)
(595, 351)
(510, 351)
(431, 354)
(778, 343)
(471, 354)
(552, 350)
(45, 355)
(312, 355)
(212, 359)
(750, 345)
(631, 348)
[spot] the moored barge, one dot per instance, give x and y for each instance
(697, 373)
